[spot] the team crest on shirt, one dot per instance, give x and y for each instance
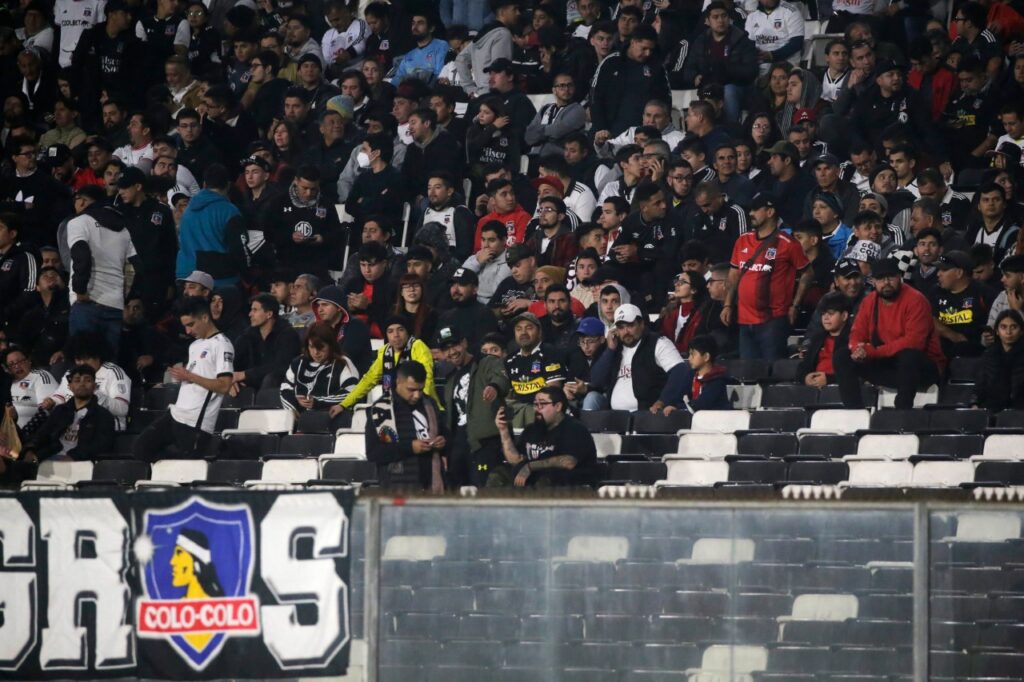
(229, 357)
(87, 12)
(647, 72)
(770, 254)
(6, 267)
(385, 44)
(723, 225)
(535, 368)
(947, 217)
(321, 212)
(202, 356)
(157, 219)
(777, 23)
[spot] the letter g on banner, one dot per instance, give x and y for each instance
(312, 581)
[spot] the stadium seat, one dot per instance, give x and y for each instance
(986, 527)
(1003, 446)
(1004, 473)
(1010, 419)
(956, 394)
(747, 371)
(264, 422)
(607, 444)
(242, 445)
(887, 446)
(768, 444)
(268, 399)
(52, 471)
(344, 469)
(640, 472)
(965, 421)
(695, 472)
(899, 421)
(778, 420)
(178, 471)
(645, 422)
(887, 397)
(820, 608)
(313, 421)
(942, 474)
(757, 471)
(840, 421)
(288, 471)
(789, 395)
(726, 551)
(358, 424)
(244, 400)
(721, 421)
(124, 472)
(307, 444)
(822, 473)
(784, 370)
(964, 370)
(707, 445)
(414, 548)
(830, 398)
(233, 471)
(650, 444)
(610, 548)
(351, 445)
(226, 419)
(143, 418)
(960, 446)
(160, 397)
(727, 662)
(744, 396)
(606, 421)
(879, 473)
(828, 445)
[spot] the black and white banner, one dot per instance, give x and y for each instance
(174, 584)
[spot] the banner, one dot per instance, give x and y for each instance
(174, 584)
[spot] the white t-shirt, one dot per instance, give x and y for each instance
(113, 392)
(142, 157)
(182, 34)
(771, 31)
(353, 37)
(41, 41)
(29, 392)
(665, 355)
(73, 17)
(110, 253)
(209, 358)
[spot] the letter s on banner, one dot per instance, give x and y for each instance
(18, 598)
(294, 581)
(86, 543)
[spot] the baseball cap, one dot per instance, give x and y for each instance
(590, 326)
(419, 252)
(1012, 264)
(784, 148)
(830, 159)
(310, 57)
(762, 200)
(465, 276)
(501, 64)
(58, 154)
(198, 277)
(884, 66)
(846, 267)
(627, 312)
(256, 161)
(526, 317)
(803, 115)
(447, 336)
(548, 180)
(885, 267)
(1008, 149)
(955, 259)
(132, 176)
(517, 253)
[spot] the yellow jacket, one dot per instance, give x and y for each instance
(419, 352)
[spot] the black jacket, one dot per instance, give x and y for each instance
(1000, 381)
(443, 152)
(815, 341)
(43, 329)
(155, 238)
(95, 432)
(738, 68)
(18, 271)
(622, 87)
(472, 320)
(261, 357)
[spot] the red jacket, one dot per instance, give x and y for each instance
(515, 222)
(904, 323)
(944, 84)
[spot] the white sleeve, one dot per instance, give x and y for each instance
(359, 44)
(42, 387)
(665, 354)
(182, 36)
(63, 392)
(140, 32)
(625, 137)
(77, 231)
(586, 205)
(101, 12)
(117, 393)
(225, 360)
(794, 25)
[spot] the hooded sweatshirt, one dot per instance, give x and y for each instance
(100, 250)
(211, 238)
(492, 42)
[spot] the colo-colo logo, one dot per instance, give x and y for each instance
(196, 563)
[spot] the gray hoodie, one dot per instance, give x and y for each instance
(491, 274)
(492, 42)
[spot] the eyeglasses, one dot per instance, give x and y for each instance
(547, 209)
(538, 403)
(255, 65)
(681, 280)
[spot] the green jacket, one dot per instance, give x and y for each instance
(487, 371)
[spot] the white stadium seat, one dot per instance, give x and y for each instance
(607, 548)
(695, 472)
(289, 471)
(839, 421)
(415, 547)
(942, 474)
(707, 445)
(722, 421)
(720, 551)
(880, 473)
(887, 446)
(264, 421)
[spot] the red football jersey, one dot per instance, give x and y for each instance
(768, 283)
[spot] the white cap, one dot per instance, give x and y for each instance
(627, 312)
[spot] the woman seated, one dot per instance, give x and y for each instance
(321, 377)
(1000, 383)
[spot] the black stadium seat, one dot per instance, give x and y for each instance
(313, 421)
(964, 370)
(960, 446)
(645, 422)
(830, 396)
(251, 445)
(757, 471)
(960, 395)
(824, 473)
(828, 444)
(747, 371)
(896, 421)
(354, 470)
(645, 473)
(784, 370)
(789, 395)
(234, 471)
(767, 444)
(606, 421)
(226, 419)
(307, 444)
(1005, 473)
(1009, 419)
(966, 421)
(778, 420)
(120, 471)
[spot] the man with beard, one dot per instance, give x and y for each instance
(304, 227)
(442, 207)
(468, 317)
(554, 450)
(637, 251)
(151, 226)
(558, 324)
(892, 342)
(114, 116)
(531, 369)
(425, 60)
(473, 395)
(552, 240)
(717, 223)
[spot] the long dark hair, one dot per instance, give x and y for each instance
(418, 319)
(205, 573)
(322, 334)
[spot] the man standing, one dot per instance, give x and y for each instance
(18, 268)
(187, 428)
(433, 150)
(892, 342)
(765, 262)
(211, 231)
(473, 395)
(790, 185)
(777, 29)
(265, 349)
(492, 42)
(151, 226)
(406, 436)
(718, 222)
(468, 317)
(556, 450)
(721, 54)
(79, 429)
(101, 250)
(305, 227)
(625, 82)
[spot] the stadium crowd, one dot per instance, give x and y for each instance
(327, 202)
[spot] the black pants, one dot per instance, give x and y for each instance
(472, 468)
(907, 371)
(167, 439)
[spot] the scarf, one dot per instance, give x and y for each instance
(391, 360)
(299, 203)
(391, 430)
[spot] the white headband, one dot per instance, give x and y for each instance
(192, 548)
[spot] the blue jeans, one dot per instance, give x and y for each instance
(470, 13)
(595, 400)
(93, 317)
(734, 101)
(765, 341)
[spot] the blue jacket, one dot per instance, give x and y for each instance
(211, 238)
(714, 394)
(421, 60)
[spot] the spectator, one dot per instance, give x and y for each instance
(589, 346)
(928, 251)
(702, 385)
(420, 261)
(553, 240)
(421, 318)
(688, 312)
(113, 387)
(954, 208)
(39, 199)
(718, 221)
(505, 210)
(557, 450)
(827, 211)
(808, 234)
(107, 59)
(43, 314)
(264, 351)
(17, 267)
(400, 346)
(443, 207)
(352, 333)
(516, 292)
(1000, 382)
(405, 435)
(320, 377)
(490, 259)
(151, 227)
(493, 42)
(211, 234)
(425, 60)
(300, 296)
(433, 150)
(632, 375)
(473, 396)
(960, 306)
(738, 186)
(29, 386)
(815, 368)
(377, 190)
(765, 261)
(893, 341)
(376, 228)
(790, 185)
(1012, 295)
(993, 224)
(558, 323)
(101, 251)
(550, 128)
(229, 312)
(469, 316)
(371, 294)
(79, 429)
(534, 367)
(705, 65)
(304, 227)
(624, 83)
(490, 138)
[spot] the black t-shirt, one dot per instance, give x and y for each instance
(570, 437)
(509, 290)
(530, 373)
(965, 312)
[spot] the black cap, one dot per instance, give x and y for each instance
(762, 200)
(1012, 264)
(500, 64)
(830, 159)
(448, 336)
(130, 177)
(465, 276)
(885, 267)
(955, 259)
(419, 252)
(310, 57)
(846, 267)
(517, 253)
(884, 66)
(256, 161)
